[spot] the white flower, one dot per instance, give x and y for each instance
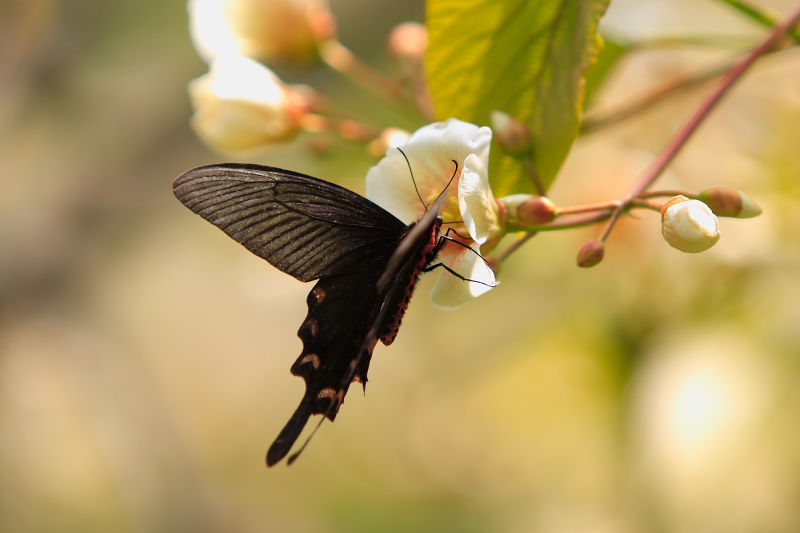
(470, 209)
(241, 104)
(689, 225)
(263, 29)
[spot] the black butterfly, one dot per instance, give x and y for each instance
(367, 262)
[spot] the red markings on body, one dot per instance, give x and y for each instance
(425, 255)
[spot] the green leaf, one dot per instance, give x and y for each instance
(524, 57)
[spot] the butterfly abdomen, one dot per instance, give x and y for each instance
(406, 282)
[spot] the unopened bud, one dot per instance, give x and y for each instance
(388, 138)
(512, 135)
(321, 21)
(689, 225)
(241, 105)
(269, 30)
(408, 40)
(591, 253)
(727, 202)
(528, 209)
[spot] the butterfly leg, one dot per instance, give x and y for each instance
(444, 239)
(456, 274)
(453, 230)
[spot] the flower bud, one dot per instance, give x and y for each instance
(591, 253)
(408, 40)
(727, 202)
(270, 30)
(528, 209)
(388, 138)
(512, 135)
(688, 225)
(241, 104)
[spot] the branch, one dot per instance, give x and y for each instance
(684, 134)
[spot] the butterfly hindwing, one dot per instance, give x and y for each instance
(340, 311)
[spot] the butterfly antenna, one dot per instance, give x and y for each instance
(292, 458)
(455, 171)
(414, 181)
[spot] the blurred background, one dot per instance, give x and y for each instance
(144, 356)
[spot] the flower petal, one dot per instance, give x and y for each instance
(476, 201)
(431, 151)
(450, 291)
(233, 77)
(210, 29)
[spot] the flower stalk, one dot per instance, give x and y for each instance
(342, 59)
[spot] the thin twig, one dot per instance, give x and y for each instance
(596, 121)
(575, 221)
(352, 130)
(684, 134)
(419, 87)
(577, 216)
(574, 217)
(574, 209)
(340, 58)
(664, 192)
(513, 247)
(530, 168)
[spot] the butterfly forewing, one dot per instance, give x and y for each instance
(304, 226)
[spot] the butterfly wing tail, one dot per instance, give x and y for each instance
(290, 431)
